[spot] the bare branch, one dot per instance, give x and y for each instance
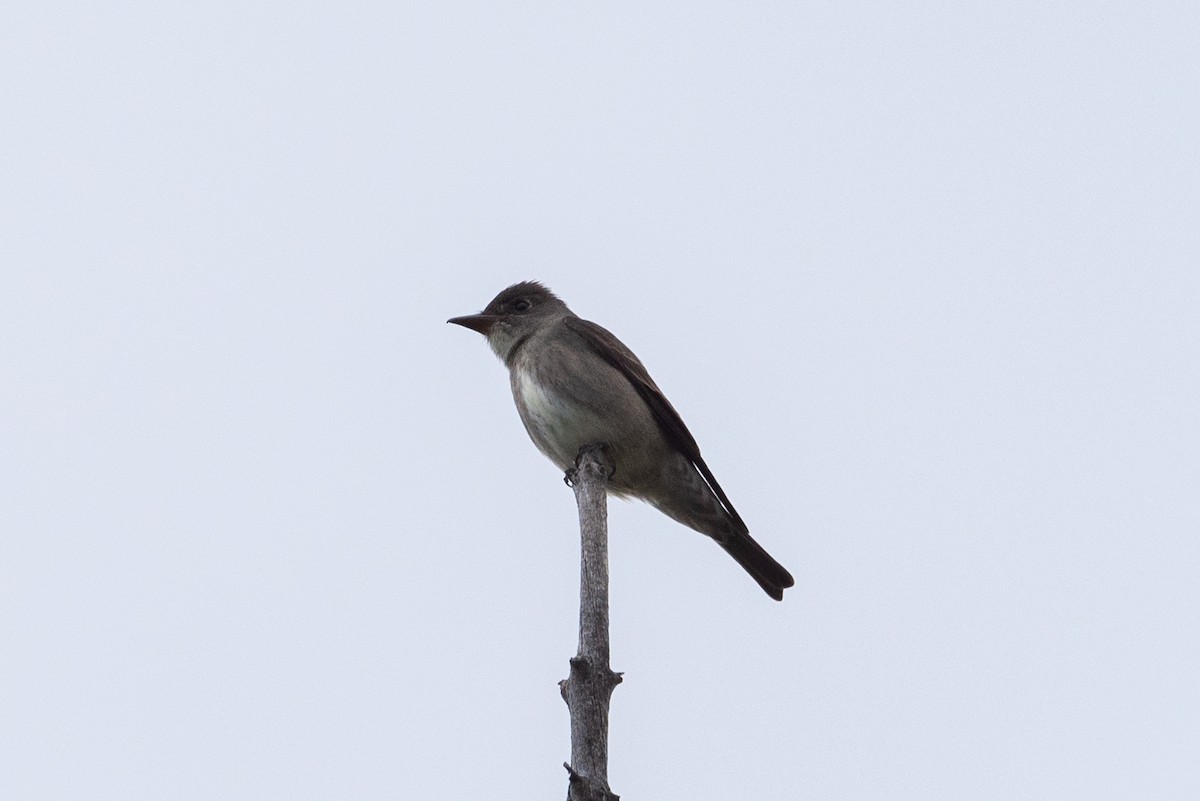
(588, 688)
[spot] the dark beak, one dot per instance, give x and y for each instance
(476, 322)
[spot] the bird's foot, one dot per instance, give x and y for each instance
(601, 451)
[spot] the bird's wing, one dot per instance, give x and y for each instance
(613, 351)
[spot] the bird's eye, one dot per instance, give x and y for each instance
(521, 305)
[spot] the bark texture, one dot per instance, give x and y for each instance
(589, 686)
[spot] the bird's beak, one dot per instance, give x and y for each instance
(476, 322)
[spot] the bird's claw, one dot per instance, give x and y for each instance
(605, 459)
(610, 466)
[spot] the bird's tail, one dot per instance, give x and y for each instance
(761, 566)
(697, 502)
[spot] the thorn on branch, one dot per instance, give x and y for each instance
(582, 788)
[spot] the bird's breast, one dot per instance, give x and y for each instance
(555, 424)
(539, 402)
(567, 402)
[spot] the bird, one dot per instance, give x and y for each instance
(576, 385)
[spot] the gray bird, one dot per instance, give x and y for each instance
(575, 384)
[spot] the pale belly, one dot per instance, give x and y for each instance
(557, 426)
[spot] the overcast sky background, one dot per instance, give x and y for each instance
(924, 281)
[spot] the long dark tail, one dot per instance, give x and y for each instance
(688, 493)
(754, 559)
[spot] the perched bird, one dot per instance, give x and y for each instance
(575, 385)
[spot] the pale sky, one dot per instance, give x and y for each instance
(923, 281)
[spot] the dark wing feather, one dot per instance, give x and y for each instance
(612, 350)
